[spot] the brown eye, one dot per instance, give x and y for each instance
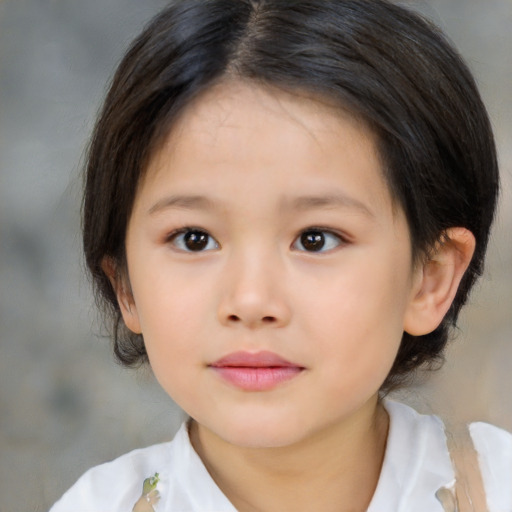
(312, 240)
(317, 240)
(194, 240)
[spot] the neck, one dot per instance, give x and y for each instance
(339, 464)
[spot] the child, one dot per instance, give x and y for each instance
(286, 206)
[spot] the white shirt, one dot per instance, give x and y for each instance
(416, 465)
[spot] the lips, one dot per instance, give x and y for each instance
(260, 371)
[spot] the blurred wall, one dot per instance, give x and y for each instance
(64, 404)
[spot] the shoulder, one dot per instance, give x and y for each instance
(421, 439)
(184, 482)
(490, 440)
(494, 448)
(116, 485)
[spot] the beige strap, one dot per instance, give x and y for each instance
(469, 487)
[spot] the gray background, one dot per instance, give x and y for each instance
(64, 404)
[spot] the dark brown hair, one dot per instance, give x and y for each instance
(385, 64)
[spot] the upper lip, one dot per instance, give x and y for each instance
(263, 359)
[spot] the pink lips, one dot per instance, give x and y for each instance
(260, 371)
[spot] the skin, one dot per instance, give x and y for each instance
(257, 157)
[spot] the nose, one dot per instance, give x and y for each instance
(254, 293)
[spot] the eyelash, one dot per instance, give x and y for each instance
(322, 234)
(325, 233)
(189, 230)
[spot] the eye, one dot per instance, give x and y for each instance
(193, 240)
(317, 240)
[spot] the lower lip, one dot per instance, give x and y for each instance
(257, 378)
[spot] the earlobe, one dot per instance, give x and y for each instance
(123, 294)
(436, 281)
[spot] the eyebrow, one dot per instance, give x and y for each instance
(329, 201)
(302, 203)
(184, 202)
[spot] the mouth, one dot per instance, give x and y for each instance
(260, 371)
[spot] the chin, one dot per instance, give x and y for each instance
(262, 433)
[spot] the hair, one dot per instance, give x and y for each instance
(383, 63)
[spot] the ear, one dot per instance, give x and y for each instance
(436, 281)
(123, 293)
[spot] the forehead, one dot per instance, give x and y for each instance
(239, 128)
(236, 106)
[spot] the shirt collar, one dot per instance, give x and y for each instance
(416, 463)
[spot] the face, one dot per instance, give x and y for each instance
(270, 271)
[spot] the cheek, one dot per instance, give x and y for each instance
(172, 308)
(371, 292)
(161, 284)
(171, 322)
(358, 318)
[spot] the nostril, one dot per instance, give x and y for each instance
(265, 319)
